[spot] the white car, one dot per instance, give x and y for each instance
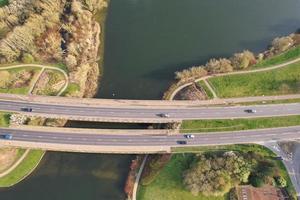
(189, 136)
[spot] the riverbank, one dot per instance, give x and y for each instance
(280, 54)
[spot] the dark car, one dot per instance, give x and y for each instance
(250, 111)
(26, 109)
(7, 136)
(164, 115)
(181, 142)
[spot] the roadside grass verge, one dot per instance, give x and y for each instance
(279, 59)
(206, 89)
(15, 158)
(275, 82)
(168, 184)
(198, 126)
(23, 170)
(4, 119)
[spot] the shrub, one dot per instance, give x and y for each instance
(27, 58)
(281, 44)
(281, 182)
(243, 60)
(222, 65)
(191, 73)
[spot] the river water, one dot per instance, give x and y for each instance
(146, 42)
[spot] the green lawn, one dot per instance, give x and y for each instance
(284, 57)
(168, 184)
(4, 119)
(275, 82)
(194, 126)
(23, 170)
(71, 89)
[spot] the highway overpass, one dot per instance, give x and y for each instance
(142, 141)
(138, 111)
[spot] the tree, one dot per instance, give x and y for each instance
(256, 181)
(191, 73)
(215, 175)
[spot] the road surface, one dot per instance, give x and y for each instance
(116, 143)
(147, 113)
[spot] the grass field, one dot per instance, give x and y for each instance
(168, 184)
(275, 82)
(22, 170)
(194, 126)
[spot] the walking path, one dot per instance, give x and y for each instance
(11, 168)
(43, 68)
(205, 78)
(138, 177)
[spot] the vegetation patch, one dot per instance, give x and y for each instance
(195, 126)
(3, 3)
(279, 59)
(23, 169)
(209, 94)
(72, 90)
(49, 83)
(211, 174)
(18, 80)
(4, 119)
(276, 82)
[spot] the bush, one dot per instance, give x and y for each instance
(256, 181)
(191, 73)
(222, 65)
(27, 58)
(281, 182)
(243, 60)
(281, 44)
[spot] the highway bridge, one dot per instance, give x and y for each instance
(133, 141)
(139, 111)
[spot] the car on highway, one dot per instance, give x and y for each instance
(164, 115)
(250, 111)
(7, 136)
(183, 142)
(189, 136)
(25, 109)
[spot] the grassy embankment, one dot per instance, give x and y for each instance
(280, 81)
(194, 126)
(279, 59)
(168, 184)
(23, 170)
(206, 89)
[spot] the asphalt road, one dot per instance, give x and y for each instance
(148, 113)
(206, 139)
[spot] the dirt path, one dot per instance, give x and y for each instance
(138, 177)
(43, 68)
(232, 73)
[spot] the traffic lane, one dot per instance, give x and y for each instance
(184, 113)
(129, 140)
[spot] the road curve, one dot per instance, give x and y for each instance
(93, 142)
